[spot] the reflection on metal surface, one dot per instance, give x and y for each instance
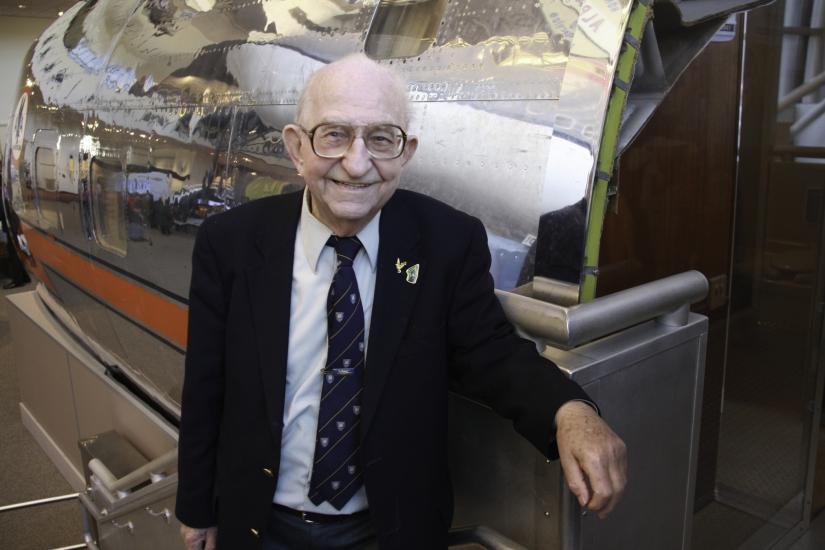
(403, 29)
(577, 134)
(139, 119)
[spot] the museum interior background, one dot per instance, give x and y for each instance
(727, 178)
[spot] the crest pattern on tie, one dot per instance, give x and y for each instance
(336, 472)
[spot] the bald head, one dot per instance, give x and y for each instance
(356, 99)
(349, 75)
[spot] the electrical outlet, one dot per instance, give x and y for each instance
(718, 291)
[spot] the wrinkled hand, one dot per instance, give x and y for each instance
(592, 456)
(199, 539)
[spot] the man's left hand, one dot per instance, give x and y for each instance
(592, 456)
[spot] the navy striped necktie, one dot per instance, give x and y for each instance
(336, 472)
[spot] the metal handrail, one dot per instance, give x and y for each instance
(43, 502)
(574, 325)
(113, 484)
(38, 502)
(798, 93)
(481, 535)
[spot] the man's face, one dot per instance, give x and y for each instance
(347, 192)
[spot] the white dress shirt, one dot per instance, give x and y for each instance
(312, 270)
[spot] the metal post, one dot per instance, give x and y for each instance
(40, 502)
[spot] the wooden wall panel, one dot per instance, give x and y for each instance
(675, 209)
(676, 181)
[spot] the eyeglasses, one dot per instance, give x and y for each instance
(332, 141)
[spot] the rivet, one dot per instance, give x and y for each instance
(268, 472)
(547, 514)
(254, 532)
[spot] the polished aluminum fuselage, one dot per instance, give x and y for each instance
(137, 120)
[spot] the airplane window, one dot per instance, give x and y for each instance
(404, 28)
(108, 205)
(44, 160)
(23, 198)
(45, 181)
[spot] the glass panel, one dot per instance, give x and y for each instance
(764, 468)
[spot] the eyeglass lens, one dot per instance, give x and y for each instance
(384, 141)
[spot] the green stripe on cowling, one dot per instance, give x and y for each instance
(625, 67)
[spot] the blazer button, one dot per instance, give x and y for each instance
(254, 532)
(268, 472)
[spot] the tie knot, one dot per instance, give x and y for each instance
(346, 248)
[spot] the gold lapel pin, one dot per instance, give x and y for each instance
(412, 274)
(399, 265)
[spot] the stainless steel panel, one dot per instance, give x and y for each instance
(143, 519)
(648, 383)
(654, 404)
(500, 481)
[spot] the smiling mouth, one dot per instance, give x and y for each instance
(354, 185)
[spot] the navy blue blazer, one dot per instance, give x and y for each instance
(445, 332)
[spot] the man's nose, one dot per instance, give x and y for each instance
(357, 161)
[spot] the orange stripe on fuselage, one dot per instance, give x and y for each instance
(162, 316)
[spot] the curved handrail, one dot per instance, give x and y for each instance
(113, 484)
(573, 325)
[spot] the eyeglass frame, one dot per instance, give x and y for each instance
(311, 135)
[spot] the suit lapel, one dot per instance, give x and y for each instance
(270, 293)
(393, 301)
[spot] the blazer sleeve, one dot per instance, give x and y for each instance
(489, 362)
(202, 401)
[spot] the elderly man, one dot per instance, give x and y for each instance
(325, 329)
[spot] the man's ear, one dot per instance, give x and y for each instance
(292, 142)
(409, 150)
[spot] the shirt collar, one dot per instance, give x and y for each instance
(314, 236)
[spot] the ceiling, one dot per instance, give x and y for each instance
(48, 9)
